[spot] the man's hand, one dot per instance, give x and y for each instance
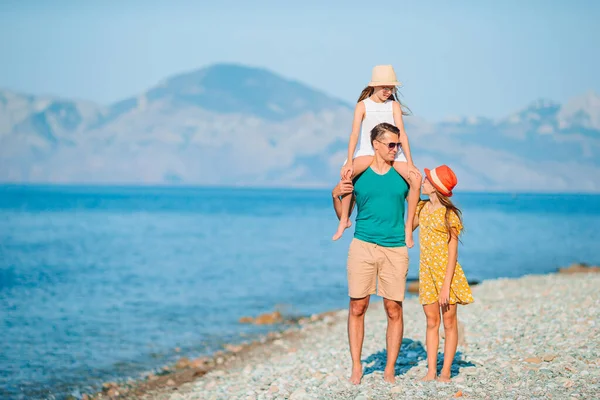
(408, 236)
(343, 188)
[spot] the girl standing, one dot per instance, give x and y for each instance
(442, 282)
(376, 104)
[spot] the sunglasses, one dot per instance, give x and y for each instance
(388, 89)
(391, 145)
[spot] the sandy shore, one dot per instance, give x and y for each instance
(533, 337)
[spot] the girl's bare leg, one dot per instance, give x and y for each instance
(360, 165)
(432, 340)
(414, 182)
(450, 342)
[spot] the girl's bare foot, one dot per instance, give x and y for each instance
(389, 376)
(356, 374)
(428, 377)
(444, 377)
(342, 226)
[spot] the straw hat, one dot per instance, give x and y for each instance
(443, 179)
(384, 75)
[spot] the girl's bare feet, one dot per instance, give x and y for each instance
(443, 377)
(342, 226)
(389, 376)
(428, 377)
(356, 374)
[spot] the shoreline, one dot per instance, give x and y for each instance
(286, 339)
(184, 371)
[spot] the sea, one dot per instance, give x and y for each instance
(103, 283)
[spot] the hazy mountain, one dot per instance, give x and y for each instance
(236, 125)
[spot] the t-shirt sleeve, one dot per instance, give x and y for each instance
(455, 221)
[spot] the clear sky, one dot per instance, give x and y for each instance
(455, 58)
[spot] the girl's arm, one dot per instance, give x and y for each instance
(451, 266)
(359, 113)
(403, 137)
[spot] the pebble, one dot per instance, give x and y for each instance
(300, 394)
(210, 385)
(330, 380)
(523, 338)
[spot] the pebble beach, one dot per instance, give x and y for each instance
(536, 337)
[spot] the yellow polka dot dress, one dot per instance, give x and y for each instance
(433, 241)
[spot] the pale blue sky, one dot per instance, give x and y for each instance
(470, 57)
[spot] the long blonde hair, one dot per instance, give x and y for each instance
(450, 207)
(369, 90)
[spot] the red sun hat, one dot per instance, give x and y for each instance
(442, 178)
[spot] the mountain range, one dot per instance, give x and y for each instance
(236, 125)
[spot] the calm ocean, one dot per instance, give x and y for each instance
(101, 283)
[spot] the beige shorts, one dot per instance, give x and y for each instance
(371, 266)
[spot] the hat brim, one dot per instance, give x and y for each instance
(386, 83)
(442, 191)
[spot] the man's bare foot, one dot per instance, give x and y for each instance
(342, 226)
(389, 376)
(356, 374)
(443, 377)
(428, 377)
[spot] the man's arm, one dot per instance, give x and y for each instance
(343, 188)
(415, 223)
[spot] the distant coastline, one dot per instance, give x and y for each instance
(316, 189)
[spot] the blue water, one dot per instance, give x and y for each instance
(98, 283)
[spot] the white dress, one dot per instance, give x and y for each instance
(375, 113)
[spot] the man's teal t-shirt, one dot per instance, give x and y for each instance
(380, 208)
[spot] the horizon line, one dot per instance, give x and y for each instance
(175, 186)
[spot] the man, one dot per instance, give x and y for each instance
(378, 257)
